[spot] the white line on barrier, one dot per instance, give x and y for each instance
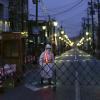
(77, 88)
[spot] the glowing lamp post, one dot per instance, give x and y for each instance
(62, 32)
(44, 28)
(55, 23)
(87, 36)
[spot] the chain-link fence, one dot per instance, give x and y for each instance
(86, 72)
(67, 72)
(63, 72)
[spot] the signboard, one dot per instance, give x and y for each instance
(8, 69)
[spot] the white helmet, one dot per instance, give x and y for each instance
(48, 46)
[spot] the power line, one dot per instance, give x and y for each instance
(61, 7)
(43, 7)
(71, 16)
(67, 10)
(64, 11)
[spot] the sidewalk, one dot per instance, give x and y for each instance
(65, 93)
(22, 93)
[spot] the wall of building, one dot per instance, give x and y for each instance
(5, 4)
(18, 15)
(4, 16)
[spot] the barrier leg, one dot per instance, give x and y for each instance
(1, 85)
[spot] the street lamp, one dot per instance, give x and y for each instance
(55, 23)
(62, 32)
(44, 28)
(87, 33)
(87, 39)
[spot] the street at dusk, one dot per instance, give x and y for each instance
(49, 50)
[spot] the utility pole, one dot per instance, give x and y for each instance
(92, 13)
(36, 12)
(84, 28)
(98, 31)
(98, 3)
(22, 15)
(36, 9)
(88, 27)
(49, 25)
(36, 38)
(83, 25)
(92, 17)
(88, 22)
(36, 19)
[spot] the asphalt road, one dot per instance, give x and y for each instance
(81, 70)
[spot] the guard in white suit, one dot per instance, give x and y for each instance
(46, 62)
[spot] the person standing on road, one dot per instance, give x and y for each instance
(46, 62)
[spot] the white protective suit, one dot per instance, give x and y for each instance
(47, 68)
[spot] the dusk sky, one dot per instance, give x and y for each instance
(66, 12)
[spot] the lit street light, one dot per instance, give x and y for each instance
(62, 32)
(87, 33)
(44, 29)
(55, 23)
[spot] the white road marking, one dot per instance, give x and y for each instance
(35, 88)
(32, 87)
(75, 57)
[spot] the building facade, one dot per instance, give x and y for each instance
(18, 15)
(4, 19)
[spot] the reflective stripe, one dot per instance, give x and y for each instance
(46, 57)
(50, 61)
